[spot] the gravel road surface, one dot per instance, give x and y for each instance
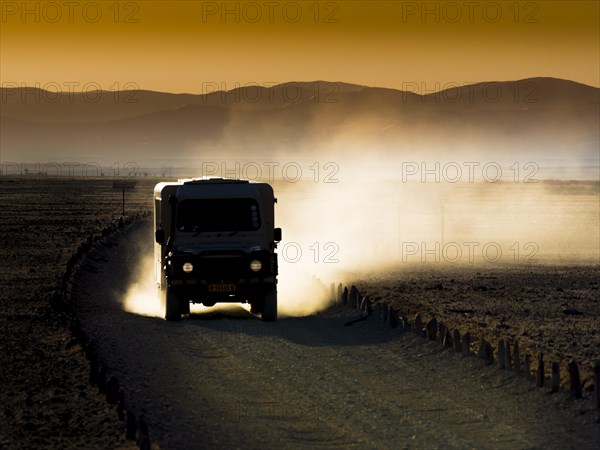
(222, 378)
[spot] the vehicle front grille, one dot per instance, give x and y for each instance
(221, 267)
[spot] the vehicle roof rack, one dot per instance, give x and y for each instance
(214, 181)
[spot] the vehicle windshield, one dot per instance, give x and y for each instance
(224, 214)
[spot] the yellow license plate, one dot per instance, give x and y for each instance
(221, 288)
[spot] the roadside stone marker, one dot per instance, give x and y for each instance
(488, 352)
(501, 355)
(456, 341)
(418, 324)
(575, 379)
(466, 344)
(597, 383)
(393, 315)
(517, 358)
(539, 379)
(447, 339)
(508, 359)
(432, 328)
(528, 367)
(555, 385)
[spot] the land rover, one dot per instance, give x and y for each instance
(215, 241)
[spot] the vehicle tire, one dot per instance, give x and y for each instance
(185, 306)
(173, 305)
(269, 313)
(257, 306)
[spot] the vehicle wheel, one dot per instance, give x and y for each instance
(257, 305)
(269, 313)
(173, 305)
(185, 306)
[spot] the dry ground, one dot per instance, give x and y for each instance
(46, 401)
(330, 377)
(554, 309)
(222, 378)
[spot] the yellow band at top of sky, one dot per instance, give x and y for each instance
(180, 46)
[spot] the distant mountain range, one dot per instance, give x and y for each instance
(536, 117)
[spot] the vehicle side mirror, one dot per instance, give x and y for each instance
(159, 236)
(277, 234)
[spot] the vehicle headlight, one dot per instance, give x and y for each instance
(188, 267)
(255, 265)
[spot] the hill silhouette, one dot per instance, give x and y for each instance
(537, 117)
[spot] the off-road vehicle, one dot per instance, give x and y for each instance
(215, 241)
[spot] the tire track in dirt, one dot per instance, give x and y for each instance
(223, 378)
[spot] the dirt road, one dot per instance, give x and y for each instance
(225, 379)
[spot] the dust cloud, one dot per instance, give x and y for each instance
(350, 201)
(143, 296)
(300, 293)
(365, 217)
(375, 217)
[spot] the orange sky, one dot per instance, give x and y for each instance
(179, 46)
